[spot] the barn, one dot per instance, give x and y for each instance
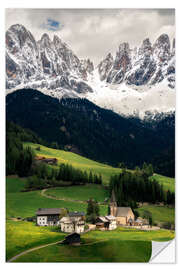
(72, 239)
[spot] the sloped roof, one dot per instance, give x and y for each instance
(49, 211)
(122, 211)
(140, 220)
(65, 220)
(72, 234)
(110, 217)
(103, 219)
(76, 214)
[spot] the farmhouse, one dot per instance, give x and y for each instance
(141, 221)
(112, 222)
(124, 215)
(102, 222)
(49, 216)
(74, 222)
(51, 161)
(107, 223)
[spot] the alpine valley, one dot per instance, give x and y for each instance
(122, 110)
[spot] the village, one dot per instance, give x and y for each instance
(74, 223)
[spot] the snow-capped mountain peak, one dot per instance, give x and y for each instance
(136, 80)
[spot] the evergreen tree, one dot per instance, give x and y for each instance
(92, 211)
(90, 177)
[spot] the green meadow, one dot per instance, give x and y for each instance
(167, 182)
(23, 235)
(88, 165)
(120, 245)
(106, 251)
(159, 213)
(76, 161)
(82, 193)
(25, 204)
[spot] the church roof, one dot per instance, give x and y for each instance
(122, 211)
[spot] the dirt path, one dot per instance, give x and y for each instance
(62, 199)
(30, 250)
(59, 199)
(51, 244)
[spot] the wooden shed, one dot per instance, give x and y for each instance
(72, 239)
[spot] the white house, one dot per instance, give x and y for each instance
(48, 216)
(107, 222)
(74, 222)
(66, 225)
(112, 222)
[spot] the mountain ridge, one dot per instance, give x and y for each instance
(146, 74)
(82, 127)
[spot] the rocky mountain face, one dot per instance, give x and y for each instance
(134, 80)
(147, 65)
(43, 64)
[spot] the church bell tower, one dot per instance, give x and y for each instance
(113, 204)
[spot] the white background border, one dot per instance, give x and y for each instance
(78, 4)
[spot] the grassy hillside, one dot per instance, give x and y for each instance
(105, 251)
(159, 213)
(120, 245)
(96, 133)
(25, 204)
(76, 161)
(21, 235)
(89, 165)
(82, 193)
(33, 200)
(168, 183)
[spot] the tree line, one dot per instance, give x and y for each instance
(43, 176)
(21, 161)
(94, 132)
(131, 188)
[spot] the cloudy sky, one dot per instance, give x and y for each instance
(92, 33)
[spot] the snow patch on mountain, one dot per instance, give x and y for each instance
(131, 100)
(132, 82)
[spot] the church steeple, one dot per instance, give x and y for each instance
(113, 204)
(113, 197)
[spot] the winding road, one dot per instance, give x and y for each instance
(42, 193)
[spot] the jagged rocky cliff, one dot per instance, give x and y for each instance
(136, 80)
(149, 64)
(45, 63)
